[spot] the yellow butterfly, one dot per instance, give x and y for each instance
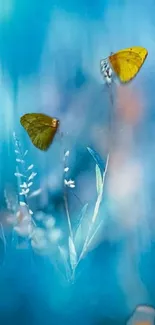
(126, 63)
(40, 128)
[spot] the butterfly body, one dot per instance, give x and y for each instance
(41, 129)
(126, 63)
(106, 70)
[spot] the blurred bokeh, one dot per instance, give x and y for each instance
(49, 62)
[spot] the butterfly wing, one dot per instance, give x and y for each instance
(40, 128)
(141, 51)
(127, 63)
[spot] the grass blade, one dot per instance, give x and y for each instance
(72, 253)
(99, 181)
(97, 159)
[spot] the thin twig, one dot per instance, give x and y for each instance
(111, 118)
(67, 213)
(77, 198)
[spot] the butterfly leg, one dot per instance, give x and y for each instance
(106, 71)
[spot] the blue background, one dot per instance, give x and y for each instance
(49, 62)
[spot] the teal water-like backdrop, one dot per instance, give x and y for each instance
(50, 55)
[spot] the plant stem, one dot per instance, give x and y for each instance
(67, 213)
(19, 149)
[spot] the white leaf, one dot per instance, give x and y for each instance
(30, 184)
(21, 193)
(83, 213)
(25, 153)
(24, 192)
(20, 161)
(66, 169)
(30, 212)
(99, 181)
(99, 198)
(18, 174)
(72, 185)
(92, 243)
(35, 193)
(22, 203)
(78, 239)
(30, 167)
(32, 176)
(72, 253)
(67, 153)
(69, 183)
(24, 185)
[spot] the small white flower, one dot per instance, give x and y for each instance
(66, 169)
(24, 192)
(38, 234)
(67, 153)
(69, 183)
(22, 203)
(49, 222)
(54, 235)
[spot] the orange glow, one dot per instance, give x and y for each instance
(129, 104)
